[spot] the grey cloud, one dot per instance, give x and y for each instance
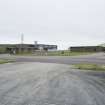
(67, 22)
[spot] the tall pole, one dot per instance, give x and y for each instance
(22, 41)
(22, 38)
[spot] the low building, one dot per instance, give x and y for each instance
(87, 49)
(17, 48)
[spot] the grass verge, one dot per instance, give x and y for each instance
(95, 67)
(67, 53)
(3, 61)
(56, 53)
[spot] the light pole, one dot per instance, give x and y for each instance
(22, 40)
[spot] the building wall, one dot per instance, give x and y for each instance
(87, 49)
(28, 48)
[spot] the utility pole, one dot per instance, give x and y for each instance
(35, 46)
(22, 38)
(22, 41)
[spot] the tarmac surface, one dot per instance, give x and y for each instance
(98, 58)
(33, 83)
(50, 84)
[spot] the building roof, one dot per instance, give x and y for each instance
(38, 46)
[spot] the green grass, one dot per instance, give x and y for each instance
(55, 53)
(96, 67)
(3, 61)
(24, 54)
(67, 53)
(2, 49)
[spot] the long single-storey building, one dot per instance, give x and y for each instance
(87, 49)
(16, 48)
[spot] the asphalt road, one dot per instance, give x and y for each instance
(25, 83)
(98, 58)
(51, 82)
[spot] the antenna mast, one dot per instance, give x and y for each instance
(22, 38)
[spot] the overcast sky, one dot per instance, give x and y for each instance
(62, 22)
